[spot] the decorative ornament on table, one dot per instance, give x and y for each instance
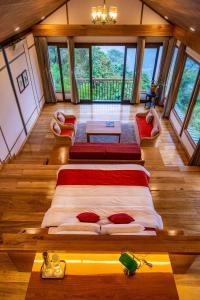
(53, 268)
(132, 263)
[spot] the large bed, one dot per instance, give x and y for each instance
(104, 190)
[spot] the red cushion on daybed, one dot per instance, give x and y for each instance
(68, 132)
(144, 127)
(105, 151)
(88, 217)
(123, 151)
(70, 120)
(87, 151)
(120, 218)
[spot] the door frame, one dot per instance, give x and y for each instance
(89, 46)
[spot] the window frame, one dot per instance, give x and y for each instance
(182, 123)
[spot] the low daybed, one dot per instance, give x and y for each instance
(105, 152)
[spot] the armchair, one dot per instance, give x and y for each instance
(63, 133)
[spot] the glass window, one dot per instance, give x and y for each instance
(160, 49)
(65, 69)
(151, 66)
(186, 87)
(107, 72)
(194, 123)
(82, 71)
(171, 71)
(55, 70)
(129, 73)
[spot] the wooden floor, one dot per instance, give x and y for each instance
(27, 185)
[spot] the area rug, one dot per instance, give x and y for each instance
(127, 136)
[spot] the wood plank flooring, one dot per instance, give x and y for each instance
(27, 185)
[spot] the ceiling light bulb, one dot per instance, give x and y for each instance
(192, 29)
(43, 17)
(17, 28)
(166, 17)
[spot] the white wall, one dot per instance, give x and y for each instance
(151, 17)
(129, 12)
(20, 57)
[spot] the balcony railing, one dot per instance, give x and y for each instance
(105, 89)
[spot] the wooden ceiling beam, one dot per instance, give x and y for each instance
(188, 38)
(103, 30)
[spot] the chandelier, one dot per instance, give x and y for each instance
(104, 15)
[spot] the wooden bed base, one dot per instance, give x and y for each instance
(105, 161)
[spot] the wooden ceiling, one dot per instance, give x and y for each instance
(23, 14)
(26, 13)
(184, 13)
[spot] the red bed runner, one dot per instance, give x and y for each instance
(102, 177)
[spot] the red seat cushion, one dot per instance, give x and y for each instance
(120, 218)
(87, 151)
(70, 120)
(67, 132)
(144, 127)
(105, 151)
(88, 217)
(123, 151)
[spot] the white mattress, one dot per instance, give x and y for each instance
(70, 200)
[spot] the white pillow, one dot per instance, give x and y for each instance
(78, 227)
(121, 228)
(56, 128)
(137, 233)
(53, 230)
(149, 117)
(61, 118)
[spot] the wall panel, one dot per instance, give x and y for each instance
(31, 100)
(26, 98)
(36, 72)
(3, 148)
(10, 120)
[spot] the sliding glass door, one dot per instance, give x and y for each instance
(186, 111)
(82, 72)
(151, 66)
(129, 73)
(104, 72)
(107, 73)
(193, 127)
(58, 58)
(186, 88)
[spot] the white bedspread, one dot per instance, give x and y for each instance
(70, 200)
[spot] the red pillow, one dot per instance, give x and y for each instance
(88, 217)
(120, 218)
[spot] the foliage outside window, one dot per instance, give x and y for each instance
(54, 66)
(129, 73)
(194, 123)
(107, 72)
(65, 69)
(82, 72)
(186, 87)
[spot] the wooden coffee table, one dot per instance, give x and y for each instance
(100, 128)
